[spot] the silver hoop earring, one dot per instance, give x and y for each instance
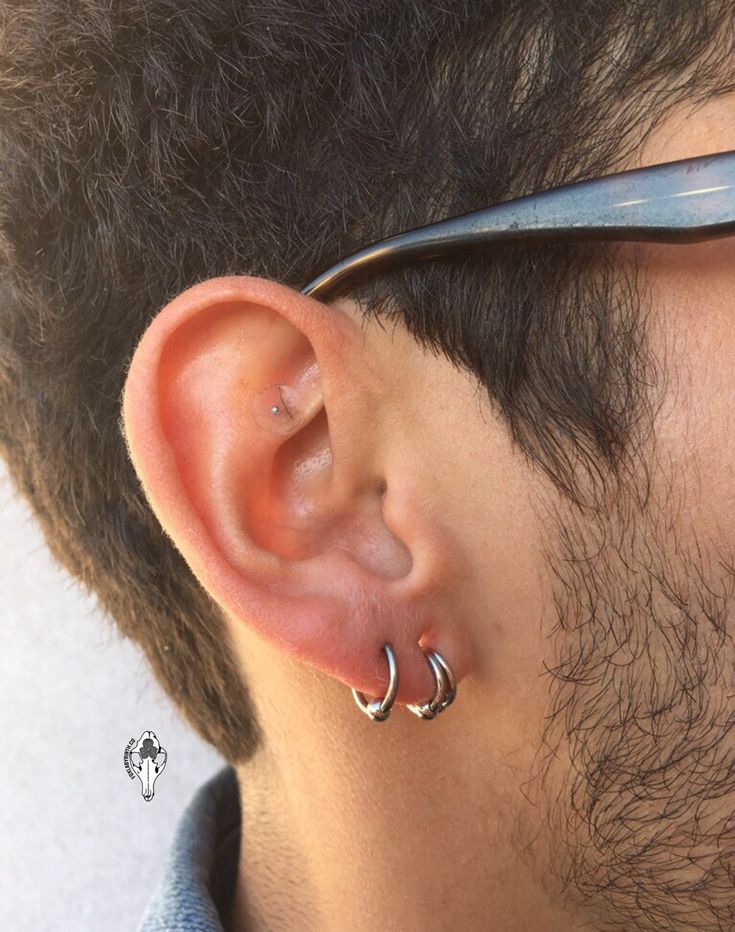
(445, 692)
(379, 709)
(446, 689)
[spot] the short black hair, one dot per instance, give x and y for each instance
(145, 146)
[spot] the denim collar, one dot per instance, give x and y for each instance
(199, 880)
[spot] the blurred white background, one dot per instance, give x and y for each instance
(80, 848)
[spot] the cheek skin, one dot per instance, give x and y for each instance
(692, 331)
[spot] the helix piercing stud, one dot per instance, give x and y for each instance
(279, 409)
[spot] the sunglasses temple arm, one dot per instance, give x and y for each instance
(674, 202)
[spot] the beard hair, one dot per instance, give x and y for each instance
(636, 765)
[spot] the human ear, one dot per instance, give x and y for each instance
(253, 415)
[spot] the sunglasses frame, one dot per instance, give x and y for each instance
(685, 201)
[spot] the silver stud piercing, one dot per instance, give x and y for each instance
(444, 694)
(278, 408)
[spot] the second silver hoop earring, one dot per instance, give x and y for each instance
(444, 694)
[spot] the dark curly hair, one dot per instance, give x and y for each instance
(146, 145)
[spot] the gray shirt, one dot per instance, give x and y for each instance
(199, 881)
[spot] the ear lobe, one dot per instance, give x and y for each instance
(277, 512)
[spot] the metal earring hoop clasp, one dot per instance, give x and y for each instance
(446, 688)
(379, 709)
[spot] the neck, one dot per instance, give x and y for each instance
(350, 824)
